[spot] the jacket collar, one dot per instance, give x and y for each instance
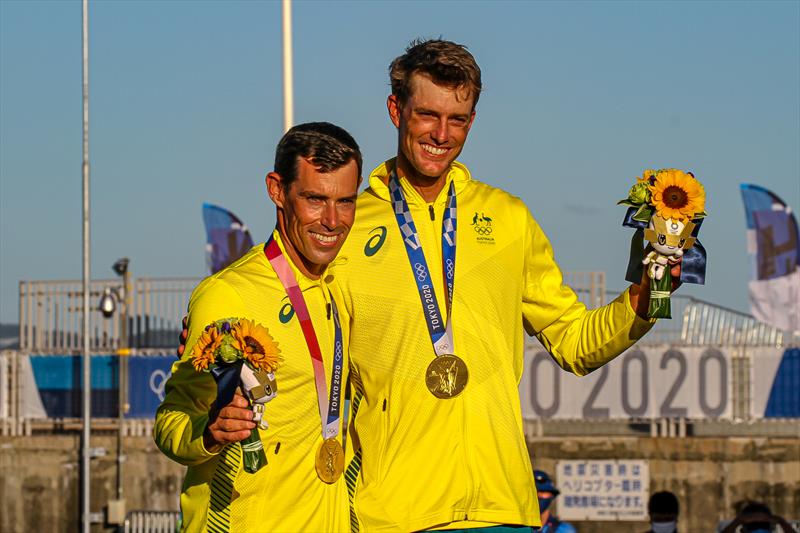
(379, 183)
(303, 281)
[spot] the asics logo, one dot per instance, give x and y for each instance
(376, 241)
(286, 313)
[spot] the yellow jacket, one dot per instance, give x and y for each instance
(286, 494)
(460, 462)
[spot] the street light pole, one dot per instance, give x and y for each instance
(112, 298)
(87, 367)
(122, 397)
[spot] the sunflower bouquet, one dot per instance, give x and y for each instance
(666, 207)
(240, 353)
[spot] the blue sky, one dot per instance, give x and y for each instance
(579, 98)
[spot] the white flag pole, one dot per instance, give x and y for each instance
(288, 85)
(87, 382)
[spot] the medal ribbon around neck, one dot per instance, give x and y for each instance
(329, 408)
(441, 335)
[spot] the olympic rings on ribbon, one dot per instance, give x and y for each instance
(422, 272)
(450, 268)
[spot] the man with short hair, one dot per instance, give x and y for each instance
(285, 286)
(436, 345)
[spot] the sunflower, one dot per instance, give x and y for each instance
(677, 195)
(256, 345)
(203, 351)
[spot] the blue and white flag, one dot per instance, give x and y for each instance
(774, 250)
(227, 238)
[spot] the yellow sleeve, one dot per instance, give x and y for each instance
(182, 416)
(579, 340)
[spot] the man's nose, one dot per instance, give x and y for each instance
(330, 216)
(441, 134)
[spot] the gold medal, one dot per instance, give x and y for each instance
(446, 376)
(330, 461)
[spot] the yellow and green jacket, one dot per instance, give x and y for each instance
(286, 494)
(423, 462)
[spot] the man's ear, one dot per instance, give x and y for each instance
(393, 105)
(471, 120)
(275, 188)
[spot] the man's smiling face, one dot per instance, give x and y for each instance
(432, 125)
(315, 213)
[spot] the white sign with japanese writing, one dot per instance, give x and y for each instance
(603, 490)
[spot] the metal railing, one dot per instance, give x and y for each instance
(589, 286)
(50, 311)
(50, 314)
(706, 323)
(151, 522)
(697, 322)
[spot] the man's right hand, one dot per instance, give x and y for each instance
(232, 423)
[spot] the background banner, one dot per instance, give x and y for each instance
(51, 385)
(644, 382)
(59, 379)
(652, 381)
(147, 376)
(775, 378)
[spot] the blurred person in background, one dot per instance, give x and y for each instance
(547, 493)
(663, 509)
(756, 517)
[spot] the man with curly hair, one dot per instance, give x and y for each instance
(436, 345)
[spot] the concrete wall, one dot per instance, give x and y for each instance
(40, 487)
(710, 476)
(40, 480)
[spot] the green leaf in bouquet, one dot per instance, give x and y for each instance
(660, 306)
(253, 455)
(644, 213)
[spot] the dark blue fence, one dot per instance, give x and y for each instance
(59, 379)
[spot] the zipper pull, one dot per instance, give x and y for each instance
(328, 308)
(430, 209)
